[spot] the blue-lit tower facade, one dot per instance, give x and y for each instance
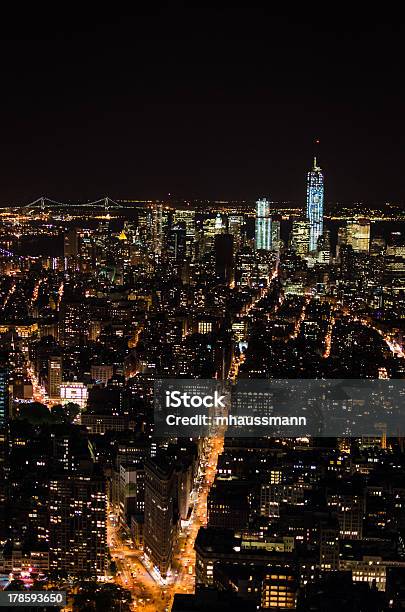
(263, 225)
(315, 190)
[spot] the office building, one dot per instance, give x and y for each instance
(300, 237)
(315, 194)
(78, 523)
(54, 376)
(224, 258)
(188, 218)
(71, 248)
(161, 515)
(263, 225)
(177, 243)
(275, 232)
(236, 227)
(157, 229)
(210, 228)
(358, 235)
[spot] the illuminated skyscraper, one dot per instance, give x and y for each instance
(71, 248)
(187, 217)
(212, 226)
(160, 528)
(77, 523)
(236, 227)
(157, 228)
(275, 232)
(54, 376)
(86, 250)
(358, 235)
(177, 242)
(300, 235)
(73, 323)
(315, 205)
(219, 224)
(263, 225)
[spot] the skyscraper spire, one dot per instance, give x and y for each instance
(317, 142)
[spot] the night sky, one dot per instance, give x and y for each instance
(200, 103)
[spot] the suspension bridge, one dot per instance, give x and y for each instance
(45, 204)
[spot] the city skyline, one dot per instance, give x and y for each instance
(101, 303)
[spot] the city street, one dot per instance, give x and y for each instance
(150, 594)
